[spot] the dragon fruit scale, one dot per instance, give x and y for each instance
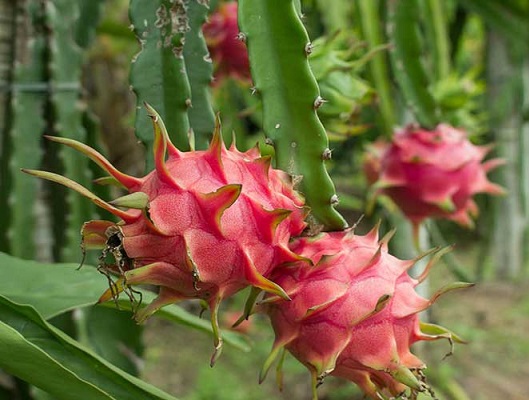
(354, 314)
(431, 173)
(203, 224)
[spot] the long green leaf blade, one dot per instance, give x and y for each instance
(56, 288)
(113, 335)
(51, 288)
(23, 359)
(44, 356)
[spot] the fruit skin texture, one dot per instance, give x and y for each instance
(431, 173)
(203, 224)
(227, 51)
(222, 221)
(353, 315)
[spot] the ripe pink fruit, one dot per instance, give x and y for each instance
(228, 52)
(203, 224)
(354, 314)
(431, 173)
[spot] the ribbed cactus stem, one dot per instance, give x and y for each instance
(370, 22)
(7, 60)
(89, 15)
(406, 57)
(21, 145)
(504, 16)
(199, 70)
(278, 47)
(436, 32)
(7, 57)
(336, 14)
(158, 73)
(65, 63)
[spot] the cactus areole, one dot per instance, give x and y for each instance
(354, 314)
(203, 224)
(431, 173)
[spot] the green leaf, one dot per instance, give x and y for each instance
(42, 355)
(112, 334)
(51, 288)
(180, 316)
(39, 394)
(56, 288)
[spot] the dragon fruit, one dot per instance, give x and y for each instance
(431, 173)
(228, 52)
(202, 225)
(354, 314)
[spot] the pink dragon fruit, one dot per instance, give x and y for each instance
(431, 173)
(354, 314)
(228, 52)
(203, 224)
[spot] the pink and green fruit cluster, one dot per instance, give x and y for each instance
(207, 224)
(431, 173)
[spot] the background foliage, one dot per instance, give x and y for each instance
(66, 69)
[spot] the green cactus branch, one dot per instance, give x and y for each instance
(7, 62)
(65, 63)
(290, 97)
(436, 32)
(199, 70)
(503, 16)
(336, 14)
(406, 54)
(370, 22)
(27, 125)
(158, 73)
(90, 13)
